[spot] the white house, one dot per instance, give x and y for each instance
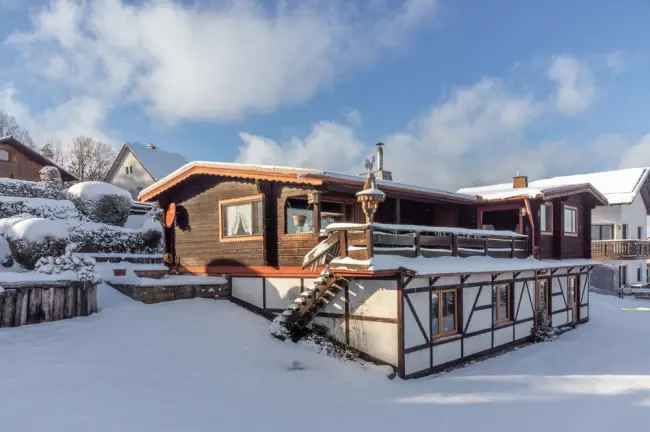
(619, 230)
(138, 166)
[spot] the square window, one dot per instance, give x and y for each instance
(570, 220)
(242, 218)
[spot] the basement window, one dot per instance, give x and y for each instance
(242, 218)
(503, 303)
(444, 313)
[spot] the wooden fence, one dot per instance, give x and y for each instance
(620, 249)
(33, 303)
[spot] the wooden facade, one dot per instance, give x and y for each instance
(198, 246)
(17, 161)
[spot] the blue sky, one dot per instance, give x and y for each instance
(462, 92)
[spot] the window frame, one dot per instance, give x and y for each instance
(456, 331)
(549, 231)
(286, 217)
(509, 315)
(8, 155)
(564, 221)
(239, 201)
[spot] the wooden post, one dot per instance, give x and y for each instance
(398, 211)
(454, 245)
(485, 247)
(343, 242)
(417, 244)
(370, 242)
(9, 308)
(512, 248)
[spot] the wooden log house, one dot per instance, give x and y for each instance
(422, 288)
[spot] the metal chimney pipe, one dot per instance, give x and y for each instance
(380, 156)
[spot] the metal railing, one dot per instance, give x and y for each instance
(620, 249)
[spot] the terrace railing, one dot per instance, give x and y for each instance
(362, 241)
(620, 249)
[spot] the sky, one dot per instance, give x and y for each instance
(461, 92)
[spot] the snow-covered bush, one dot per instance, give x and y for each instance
(51, 177)
(39, 207)
(32, 238)
(83, 267)
(95, 237)
(6, 260)
(101, 202)
(27, 189)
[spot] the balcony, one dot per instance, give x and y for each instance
(620, 249)
(362, 242)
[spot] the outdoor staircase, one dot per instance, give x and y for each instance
(293, 322)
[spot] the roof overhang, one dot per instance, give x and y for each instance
(552, 193)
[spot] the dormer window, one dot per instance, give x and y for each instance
(4, 155)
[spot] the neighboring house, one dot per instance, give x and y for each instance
(138, 166)
(618, 229)
(18, 161)
(420, 288)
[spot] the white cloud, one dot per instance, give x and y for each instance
(329, 145)
(77, 116)
(208, 62)
(575, 86)
(637, 155)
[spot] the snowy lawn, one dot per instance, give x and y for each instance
(205, 365)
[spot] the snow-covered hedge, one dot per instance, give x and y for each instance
(101, 202)
(39, 207)
(83, 267)
(32, 238)
(94, 237)
(28, 189)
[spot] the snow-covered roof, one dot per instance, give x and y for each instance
(157, 162)
(292, 175)
(617, 186)
(439, 266)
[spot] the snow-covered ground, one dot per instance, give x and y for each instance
(205, 365)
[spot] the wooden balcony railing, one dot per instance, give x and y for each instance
(620, 249)
(361, 241)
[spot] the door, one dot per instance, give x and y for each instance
(573, 288)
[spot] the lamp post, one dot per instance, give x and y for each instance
(370, 197)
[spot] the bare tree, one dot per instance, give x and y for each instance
(53, 150)
(89, 159)
(9, 126)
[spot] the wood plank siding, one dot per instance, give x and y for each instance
(196, 243)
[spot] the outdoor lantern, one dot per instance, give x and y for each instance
(370, 197)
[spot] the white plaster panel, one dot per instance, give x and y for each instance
(248, 290)
(584, 312)
(559, 319)
(448, 280)
(503, 336)
(525, 307)
(469, 295)
(417, 361)
(446, 353)
(280, 292)
(481, 320)
(523, 330)
(485, 298)
(412, 333)
(334, 326)
(374, 298)
(476, 344)
(479, 277)
(377, 339)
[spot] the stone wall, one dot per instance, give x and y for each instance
(163, 293)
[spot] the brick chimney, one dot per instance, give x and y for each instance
(519, 182)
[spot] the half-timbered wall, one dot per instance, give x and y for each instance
(479, 333)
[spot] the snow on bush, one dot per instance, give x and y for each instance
(27, 189)
(6, 260)
(51, 177)
(39, 207)
(83, 267)
(95, 237)
(33, 238)
(101, 202)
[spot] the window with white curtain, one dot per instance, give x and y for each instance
(242, 218)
